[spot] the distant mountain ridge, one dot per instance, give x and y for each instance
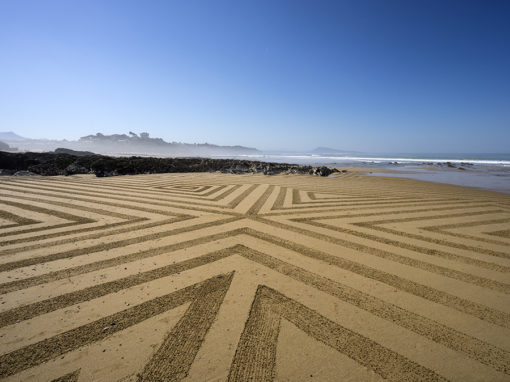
(124, 144)
(10, 136)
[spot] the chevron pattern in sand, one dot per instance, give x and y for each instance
(252, 278)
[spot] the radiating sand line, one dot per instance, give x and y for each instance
(201, 230)
(256, 353)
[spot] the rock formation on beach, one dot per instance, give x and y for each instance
(69, 162)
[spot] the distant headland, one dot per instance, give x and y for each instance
(124, 144)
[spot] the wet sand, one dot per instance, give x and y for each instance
(249, 277)
(482, 177)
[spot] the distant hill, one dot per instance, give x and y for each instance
(144, 144)
(10, 136)
(132, 144)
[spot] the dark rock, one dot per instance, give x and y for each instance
(75, 168)
(24, 173)
(5, 172)
(102, 166)
(61, 150)
(323, 171)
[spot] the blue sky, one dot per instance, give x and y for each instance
(373, 76)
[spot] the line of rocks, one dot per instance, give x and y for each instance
(69, 163)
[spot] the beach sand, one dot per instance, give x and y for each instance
(214, 277)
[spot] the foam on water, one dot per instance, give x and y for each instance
(314, 158)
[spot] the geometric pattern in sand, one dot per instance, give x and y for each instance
(249, 277)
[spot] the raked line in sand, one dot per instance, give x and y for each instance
(250, 277)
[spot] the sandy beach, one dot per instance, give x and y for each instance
(219, 277)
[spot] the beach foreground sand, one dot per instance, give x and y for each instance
(209, 277)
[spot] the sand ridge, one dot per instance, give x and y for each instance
(196, 277)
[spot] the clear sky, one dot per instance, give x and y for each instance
(374, 76)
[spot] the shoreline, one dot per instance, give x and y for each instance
(68, 162)
(498, 181)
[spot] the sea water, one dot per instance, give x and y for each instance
(485, 171)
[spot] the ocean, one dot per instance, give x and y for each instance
(484, 171)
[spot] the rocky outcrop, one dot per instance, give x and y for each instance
(324, 171)
(24, 173)
(62, 150)
(100, 165)
(74, 168)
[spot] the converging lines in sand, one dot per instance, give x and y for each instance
(252, 278)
